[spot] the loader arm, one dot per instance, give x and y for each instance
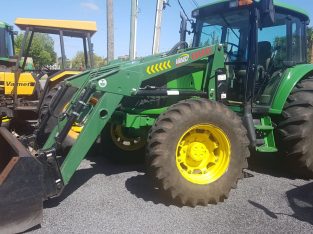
(111, 84)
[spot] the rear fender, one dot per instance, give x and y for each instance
(291, 77)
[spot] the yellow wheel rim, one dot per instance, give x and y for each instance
(124, 142)
(203, 154)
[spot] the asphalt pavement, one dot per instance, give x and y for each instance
(108, 198)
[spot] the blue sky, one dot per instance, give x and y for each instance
(95, 10)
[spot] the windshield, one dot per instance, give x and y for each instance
(6, 43)
(229, 28)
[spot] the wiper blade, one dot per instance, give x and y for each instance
(229, 26)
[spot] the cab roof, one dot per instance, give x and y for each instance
(72, 28)
(278, 5)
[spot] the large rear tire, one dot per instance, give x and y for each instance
(197, 151)
(294, 134)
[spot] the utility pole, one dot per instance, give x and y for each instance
(133, 30)
(110, 30)
(157, 27)
(312, 49)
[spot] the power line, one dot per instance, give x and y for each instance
(184, 11)
(195, 3)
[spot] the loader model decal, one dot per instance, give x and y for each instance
(159, 67)
(201, 53)
(182, 59)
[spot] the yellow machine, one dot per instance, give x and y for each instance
(25, 85)
(22, 92)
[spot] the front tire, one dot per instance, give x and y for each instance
(197, 151)
(120, 146)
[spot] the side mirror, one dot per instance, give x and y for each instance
(183, 28)
(267, 12)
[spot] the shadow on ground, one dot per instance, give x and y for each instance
(142, 187)
(99, 165)
(269, 164)
(300, 201)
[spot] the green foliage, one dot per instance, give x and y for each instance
(280, 46)
(78, 61)
(42, 49)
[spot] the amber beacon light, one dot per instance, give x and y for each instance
(238, 3)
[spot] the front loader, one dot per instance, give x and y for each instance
(243, 85)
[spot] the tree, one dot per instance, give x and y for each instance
(41, 50)
(78, 61)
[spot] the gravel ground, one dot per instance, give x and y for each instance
(109, 198)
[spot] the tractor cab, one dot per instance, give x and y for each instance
(6, 45)
(258, 47)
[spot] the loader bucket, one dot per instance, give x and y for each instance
(21, 192)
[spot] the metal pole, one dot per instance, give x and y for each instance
(17, 70)
(86, 53)
(90, 48)
(27, 50)
(133, 30)
(110, 30)
(63, 57)
(157, 27)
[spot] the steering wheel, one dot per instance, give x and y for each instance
(43, 71)
(232, 45)
(275, 57)
(178, 46)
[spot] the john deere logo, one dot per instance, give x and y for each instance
(182, 59)
(102, 83)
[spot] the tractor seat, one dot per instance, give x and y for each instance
(265, 54)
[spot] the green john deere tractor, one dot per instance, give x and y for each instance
(7, 45)
(242, 85)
